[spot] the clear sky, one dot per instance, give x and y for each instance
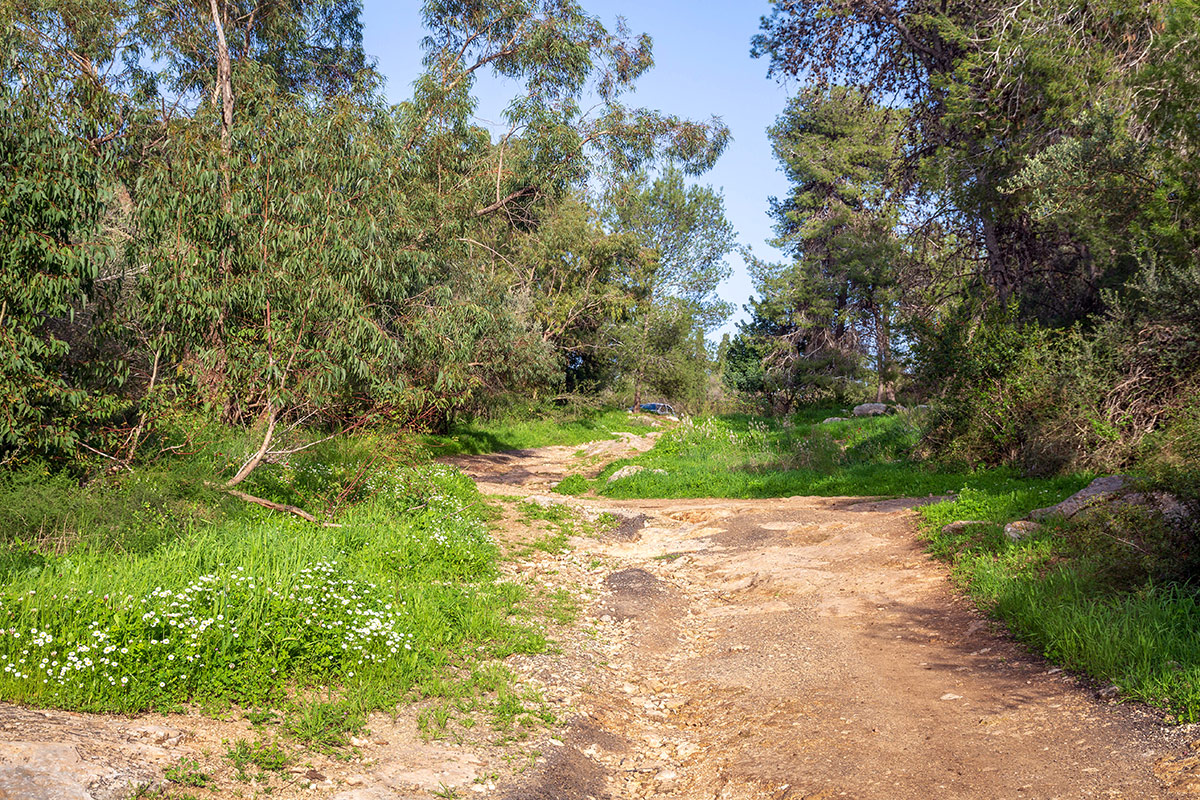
(702, 68)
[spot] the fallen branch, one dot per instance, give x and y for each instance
(299, 512)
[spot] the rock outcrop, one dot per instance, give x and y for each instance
(870, 410)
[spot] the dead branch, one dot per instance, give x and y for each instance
(299, 512)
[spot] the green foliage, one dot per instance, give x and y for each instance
(325, 724)
(572, 484)
(685, 239)
(742, 456)
(297, 249)
(187, 773)
(51, 201)
(269, 756)
(520, 430)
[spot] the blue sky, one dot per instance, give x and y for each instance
(702, 68)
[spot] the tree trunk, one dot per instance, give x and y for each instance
(224, 89)
(883, 357)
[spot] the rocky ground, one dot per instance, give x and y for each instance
(787, 648)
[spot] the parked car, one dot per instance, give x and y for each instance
(655, 408)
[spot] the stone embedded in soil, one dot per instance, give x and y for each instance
(26, 783)
(959, 526)
(155, 734)
(1021, 529)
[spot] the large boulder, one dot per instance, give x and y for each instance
(870, 410)
(1116, 490)
(1098, 491)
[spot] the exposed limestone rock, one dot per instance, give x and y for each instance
(1021, 529)
(632, 469)
(960, 526)
(870, 410)
(1096, 492)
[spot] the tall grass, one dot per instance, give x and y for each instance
(249, 606)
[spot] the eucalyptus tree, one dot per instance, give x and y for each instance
(60, 116)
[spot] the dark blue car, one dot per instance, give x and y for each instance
(654, 408)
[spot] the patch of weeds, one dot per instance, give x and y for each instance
(549, 512)
(268, 757)
(519, 713)
(560, 520)
(552, 543)
(187, 773)
(607, 521)
(562, 607)
(260, 716)
(669, 556)
(325, 725)
(572, 485)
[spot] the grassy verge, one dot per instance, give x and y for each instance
(747, 457)
(127, 597)
(565, 428)
(1092, 596)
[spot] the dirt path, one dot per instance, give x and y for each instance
(808, 648)
(725, 650)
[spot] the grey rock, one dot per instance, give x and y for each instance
(28, 783)
(632, 469)
(870, 410)
(1021, 529)
(1096, 492)
(828, 420)
(155, 734)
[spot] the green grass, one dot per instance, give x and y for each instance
(1058, 592)
(266, 756)
(565, 428)
(739, 456)
(242, 605)
(572, 484)
(187, 773)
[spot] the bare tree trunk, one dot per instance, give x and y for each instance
(257, 458)
(224, 88)
(883, 357)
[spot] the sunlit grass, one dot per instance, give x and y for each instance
(256, 605)
(1063, 602)
(739, 456)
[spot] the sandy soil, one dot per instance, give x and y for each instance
(790, 648)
